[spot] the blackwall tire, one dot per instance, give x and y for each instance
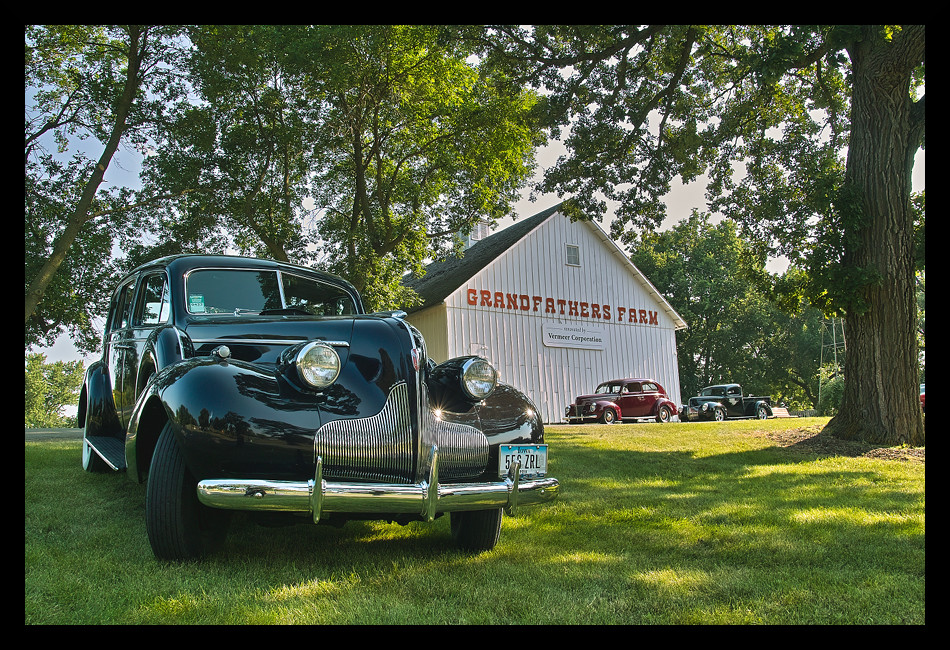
(476, 530)
(719, 415)
(664, 414)
(179, 527)
(608, 416)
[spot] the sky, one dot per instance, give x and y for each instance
(680, 201)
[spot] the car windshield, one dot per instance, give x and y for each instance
(713, 391)
(246, 291)
(607, 388)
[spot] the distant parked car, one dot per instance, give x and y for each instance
(725, 401)
(623, 399)
(240, 384)
(922, 398)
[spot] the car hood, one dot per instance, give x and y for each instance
(261, 339)
(602, 397)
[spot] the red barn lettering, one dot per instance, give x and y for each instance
(564, 307)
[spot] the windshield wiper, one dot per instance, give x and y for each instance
(287, 311)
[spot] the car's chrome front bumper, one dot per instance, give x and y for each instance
(426, 498)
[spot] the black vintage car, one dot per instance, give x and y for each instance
(725, 401)
(240, 384)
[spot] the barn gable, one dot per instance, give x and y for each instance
(555, 305)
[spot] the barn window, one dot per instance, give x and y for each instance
(573, 255)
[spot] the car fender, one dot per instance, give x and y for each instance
(508, 416)
(762, 402)
(664, 402)
(601, 405)
(224, 415)
(96, 411)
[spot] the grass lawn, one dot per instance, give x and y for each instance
(755, 522)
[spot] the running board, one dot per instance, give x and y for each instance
(109, 449)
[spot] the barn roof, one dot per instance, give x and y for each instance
(444, 277)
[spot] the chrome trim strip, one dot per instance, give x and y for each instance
(336, 344)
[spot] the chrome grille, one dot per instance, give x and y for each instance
(378, 448)
(463, 450)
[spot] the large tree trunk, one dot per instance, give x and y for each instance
(880, 402)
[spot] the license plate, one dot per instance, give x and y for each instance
(533, 459)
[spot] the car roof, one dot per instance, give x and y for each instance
(182, 263)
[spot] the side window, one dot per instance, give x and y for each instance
(633, 388)
(649, 388)
(152, 306)
(122, 309)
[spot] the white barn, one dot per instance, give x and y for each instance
(556, 306)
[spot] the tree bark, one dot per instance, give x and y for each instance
(880, 402)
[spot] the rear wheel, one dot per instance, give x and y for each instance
(179, 526)
(762, 413)
(476, 530)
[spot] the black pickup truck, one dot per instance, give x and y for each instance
(725, 401)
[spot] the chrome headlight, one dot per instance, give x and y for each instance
(478, 378)
(318, 364)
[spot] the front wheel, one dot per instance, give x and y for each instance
(179, 526)
(608, 416)
(476, 530)
(664, 414)
(719, 415)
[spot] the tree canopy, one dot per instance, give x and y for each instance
(365, 149)
(104, 85)
(737, 329)
(822, 122)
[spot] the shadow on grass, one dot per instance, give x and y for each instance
(636, 536)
